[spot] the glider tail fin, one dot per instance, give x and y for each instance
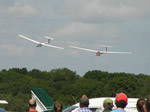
(106, 47)
(49, 38)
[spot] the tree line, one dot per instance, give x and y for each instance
(65, 85)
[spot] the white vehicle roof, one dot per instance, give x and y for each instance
(3, 102)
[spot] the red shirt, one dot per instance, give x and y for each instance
(32, 111)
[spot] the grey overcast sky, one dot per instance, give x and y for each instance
(123, 24)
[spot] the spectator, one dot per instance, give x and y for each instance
(58, 107)
(84, 103)
(148, 103)
(108, 105)
(32, 105)
(141, 105)
(2, 110)
(121, 101)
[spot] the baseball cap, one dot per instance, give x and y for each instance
(84, 100)
(108, 101)
(121, 96)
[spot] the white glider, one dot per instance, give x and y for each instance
(40, 44)
(98, 53)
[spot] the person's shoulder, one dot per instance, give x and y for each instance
(84, 109)
(32, 111)
(118, 110)
(2, 110)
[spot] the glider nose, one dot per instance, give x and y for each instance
(98, 54)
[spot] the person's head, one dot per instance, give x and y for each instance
(58, 106)
(140, 105)
(148, 103)
(121, 100)
(32, 103)
(108, 104)
(84, 101)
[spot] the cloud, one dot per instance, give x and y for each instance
(105, 8)
(13, 50)
(22, 10)
(76, 28)
(86, 32)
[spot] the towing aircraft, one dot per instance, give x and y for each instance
(98, 53)
(40, 44)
